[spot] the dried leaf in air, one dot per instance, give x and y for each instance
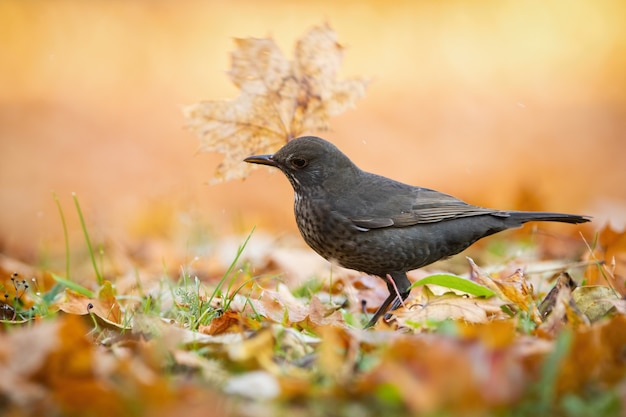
(278, 101)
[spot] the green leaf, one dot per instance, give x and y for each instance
(456, 283)
(73, 286)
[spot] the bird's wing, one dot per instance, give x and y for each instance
(406, 206)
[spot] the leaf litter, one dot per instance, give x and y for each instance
(261, 339)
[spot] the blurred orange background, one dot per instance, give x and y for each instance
(503, 104)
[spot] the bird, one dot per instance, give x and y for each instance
(379, 226)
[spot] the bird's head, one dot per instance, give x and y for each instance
(309, 161)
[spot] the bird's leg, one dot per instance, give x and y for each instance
(398, 285)
(381, 310)
(395, 288)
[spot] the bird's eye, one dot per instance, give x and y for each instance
(299, 163)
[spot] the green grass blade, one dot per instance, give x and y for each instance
(456, 283)
(228, 272)
(65, 235)
(546, 386)
(73, 286)
(91, 253)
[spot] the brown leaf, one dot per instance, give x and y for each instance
(256, 350)
(279, 100)
(333, 353)
(20, 358)
(107, 310)
(564, 312)
(280, 305)
(448, 306)
(228, 322)
(609, 254)
(594, 301)
(596, 356)
(319, 315)
(514, 288)
(70, 373)
(429, 372)
(549, 301)
(493, 334)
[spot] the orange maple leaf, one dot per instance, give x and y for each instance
(279, 99)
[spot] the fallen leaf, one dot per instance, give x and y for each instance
(430, 308)
(594, 301)
(563, 313)
(20, 358)
(211, 370)
(513, 288)
(607, 258)
(256, 385)
(336, 354)
(596, 356)
(493, 334)
(319, 316)
(564, 280)
(280, 305)
(256, 349)
(108, 314)
(228, 322)
(414, 366)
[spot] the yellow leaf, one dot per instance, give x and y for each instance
(494, 334)
(259, 348)
(332, 352)
(594, 301)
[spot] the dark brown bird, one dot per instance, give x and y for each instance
(379, 226)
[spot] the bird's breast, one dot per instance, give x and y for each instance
(328, 232)
(378, 251)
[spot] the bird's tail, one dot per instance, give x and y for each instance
(538, 216)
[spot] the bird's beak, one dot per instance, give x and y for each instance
(261, 159)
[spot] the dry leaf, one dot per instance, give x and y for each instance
(211, 370)
(563, 313)
(596, 356)
(20, 358)
(319, 315)
(564, 280)
(493, 334)
(609, 254)
(280, 305)
(279, 99)
(338, 354)
(415, 367)
(594, 301)
(107, 310)
(257, 385)
(448, 306)
(229, 322)
(258, 348)
(514, 288)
